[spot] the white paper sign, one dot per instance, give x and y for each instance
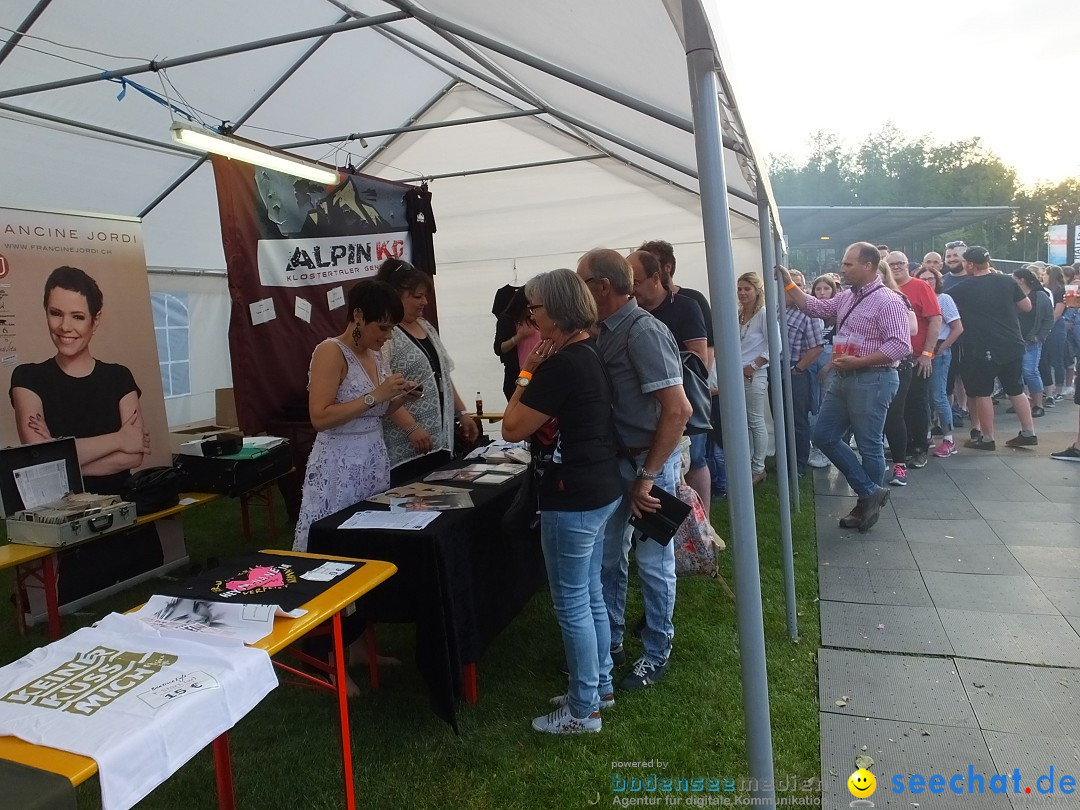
(303, 310)
(262, 311)
(335, 298)
(44, 483)
(389, 520)
(327, 572)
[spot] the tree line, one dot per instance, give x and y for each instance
(891, 169)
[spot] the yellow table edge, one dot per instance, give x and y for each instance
(78, 768)
(12, 554)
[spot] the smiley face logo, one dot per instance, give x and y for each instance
(862, 784)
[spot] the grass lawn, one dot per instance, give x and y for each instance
(285, 753)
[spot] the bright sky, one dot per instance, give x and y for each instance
(1007, 71)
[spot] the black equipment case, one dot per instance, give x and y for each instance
(234, 474)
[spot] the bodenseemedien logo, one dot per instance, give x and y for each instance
(861, 784)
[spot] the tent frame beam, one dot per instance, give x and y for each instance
(440, 23)
(378, 133)
(510, 167)
(23, 29)
(178, 61)
(166, 146)
(501, 82)
(284, 77)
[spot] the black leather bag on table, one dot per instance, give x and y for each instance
(152, 489)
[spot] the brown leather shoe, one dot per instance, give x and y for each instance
(872, 508)
(854, 518)
(757, 479)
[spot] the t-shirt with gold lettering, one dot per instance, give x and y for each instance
(137, 703)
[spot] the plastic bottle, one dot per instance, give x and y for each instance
(479, 405)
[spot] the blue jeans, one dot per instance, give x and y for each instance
(714, 455)
(697, 450)
(857, 402)
(800, 404)
(655, 563)
(817, 390)
(1032, 378)
(573, 544)
(939, 394)
(1053, 363)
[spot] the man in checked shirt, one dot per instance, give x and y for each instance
(872, 336)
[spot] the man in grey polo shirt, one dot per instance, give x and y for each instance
(651, 410)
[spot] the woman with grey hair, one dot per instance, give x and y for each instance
(564, 379)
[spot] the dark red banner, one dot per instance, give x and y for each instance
(293, 249)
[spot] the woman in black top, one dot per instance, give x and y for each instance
(74, 394)
(580, 489)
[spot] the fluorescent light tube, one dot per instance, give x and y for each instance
(208, 141)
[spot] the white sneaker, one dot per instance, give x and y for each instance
(561, 721)
(1068, 391)
(818, 459)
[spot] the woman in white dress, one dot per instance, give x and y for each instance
(420, 436)
(349, 391)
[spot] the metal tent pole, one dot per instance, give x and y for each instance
(164, 64)
(378, 133)
(789, 413)
(24, 28)
(704, 96)
(778, 364)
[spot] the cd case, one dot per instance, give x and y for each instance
(662, 524)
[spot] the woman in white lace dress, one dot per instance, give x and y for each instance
(349, 391)
(420, 436)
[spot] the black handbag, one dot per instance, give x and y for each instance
(522, 517)
(152, 489)
(696, 386)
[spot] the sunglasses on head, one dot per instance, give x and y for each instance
(949, 245)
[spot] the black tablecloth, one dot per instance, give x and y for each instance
(459, 580)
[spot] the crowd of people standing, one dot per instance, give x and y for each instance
(886, 354)
(920, 347)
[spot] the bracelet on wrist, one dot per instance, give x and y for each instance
(791, 285)
(412, 430)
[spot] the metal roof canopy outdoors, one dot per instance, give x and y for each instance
(555, 127)
(806, 226)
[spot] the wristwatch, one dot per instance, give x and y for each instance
(522, 381)
(645, 475)
(369, 400)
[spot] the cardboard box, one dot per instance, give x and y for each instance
(226, 408)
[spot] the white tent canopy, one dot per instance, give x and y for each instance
(619, 111)
(593, 145)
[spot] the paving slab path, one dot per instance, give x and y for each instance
(951, 631)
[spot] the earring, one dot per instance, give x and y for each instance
(357, 333)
